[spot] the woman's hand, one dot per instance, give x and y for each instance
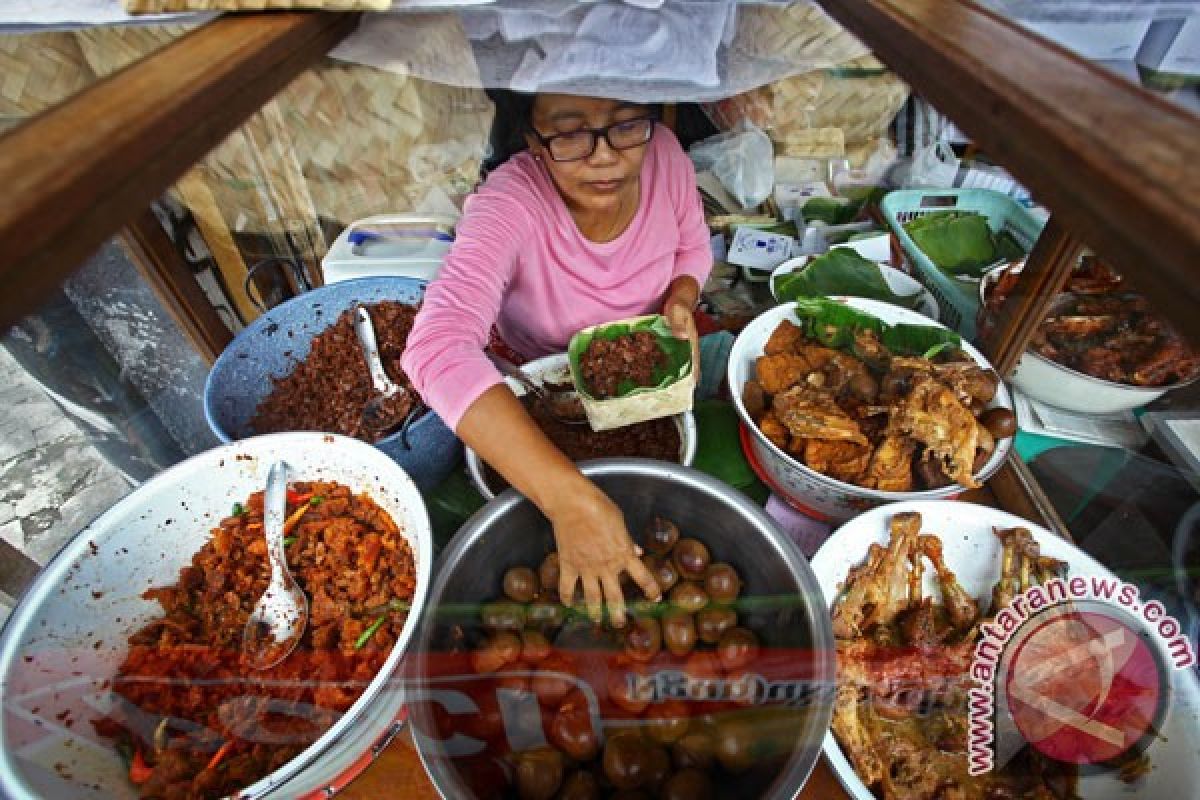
(594, 548)
(678, 308)
(593, 545)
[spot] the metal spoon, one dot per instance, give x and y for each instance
(564, 406)
(278, 620)
(380, 412)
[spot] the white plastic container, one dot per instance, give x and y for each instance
(816, 494)
(407, 245)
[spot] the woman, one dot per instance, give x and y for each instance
(599, 219)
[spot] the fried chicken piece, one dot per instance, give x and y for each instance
(960, 606)
(1079, 327)
(934, 416)
(890, 469)
(878, 589)
(774, 430)
(840, 460)
(784, 339)
(850, 727)
(810, 413)
(778, 373)
(1171, 360)
(754, 398)
(969, 381)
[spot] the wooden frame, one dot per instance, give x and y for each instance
(78, 172)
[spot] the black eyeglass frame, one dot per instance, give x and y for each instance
(596, 133)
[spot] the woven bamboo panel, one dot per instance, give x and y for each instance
(38, 71)
(155, 6)
(799, 34)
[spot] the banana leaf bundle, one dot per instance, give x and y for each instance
(841, 271)
(961, 242)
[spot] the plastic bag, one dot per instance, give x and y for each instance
(743, 160)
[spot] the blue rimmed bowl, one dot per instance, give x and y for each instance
(271, 346)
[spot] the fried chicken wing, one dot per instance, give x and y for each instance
(934, 416)
(960, 606)
(810, 413)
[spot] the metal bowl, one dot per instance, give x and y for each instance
(816, 494)
(272, 345)
(787, 613)
(65, 640)
(557, 369)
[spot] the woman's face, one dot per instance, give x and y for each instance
(599, 182)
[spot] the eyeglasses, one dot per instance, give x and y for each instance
(573, 146)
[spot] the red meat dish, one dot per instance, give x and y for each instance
(196, 721)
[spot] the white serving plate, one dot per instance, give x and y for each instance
(973, 552)
(816, 494)
(1062, 387)
(556, 368)
(897, 281)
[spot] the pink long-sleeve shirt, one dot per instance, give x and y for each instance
(519, 262)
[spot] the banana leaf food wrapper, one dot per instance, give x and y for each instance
(841, 271)
(961, 242)
(834, 325)
(672, 386)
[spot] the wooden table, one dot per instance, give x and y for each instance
(398, 773)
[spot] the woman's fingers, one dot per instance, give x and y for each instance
(642, 577)
(567, 577)
(616, 600)
(592, 597)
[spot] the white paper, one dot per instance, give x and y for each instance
(759, 249)
(1120, 429)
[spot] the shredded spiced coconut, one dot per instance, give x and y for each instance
(329, 389)
(607, 363)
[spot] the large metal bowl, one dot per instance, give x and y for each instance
(272, 345)
(786, 612)
(65, 640)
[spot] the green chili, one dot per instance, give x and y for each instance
(288, 541)
(238, 509)
(316, 501)
(369, 632)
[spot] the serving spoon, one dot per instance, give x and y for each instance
(380, 411)
(279, 618)
(564, 406)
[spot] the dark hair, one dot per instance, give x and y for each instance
(514, 118)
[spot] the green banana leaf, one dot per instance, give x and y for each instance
(841, 271)
(831, 210)
(834, 324)
(677, 367)
(959, 242)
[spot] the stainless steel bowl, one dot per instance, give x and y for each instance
(64, 642)
(789, 615)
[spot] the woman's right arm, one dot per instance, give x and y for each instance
(444, 358)
(593, 544)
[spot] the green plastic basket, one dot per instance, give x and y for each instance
(958, 301)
